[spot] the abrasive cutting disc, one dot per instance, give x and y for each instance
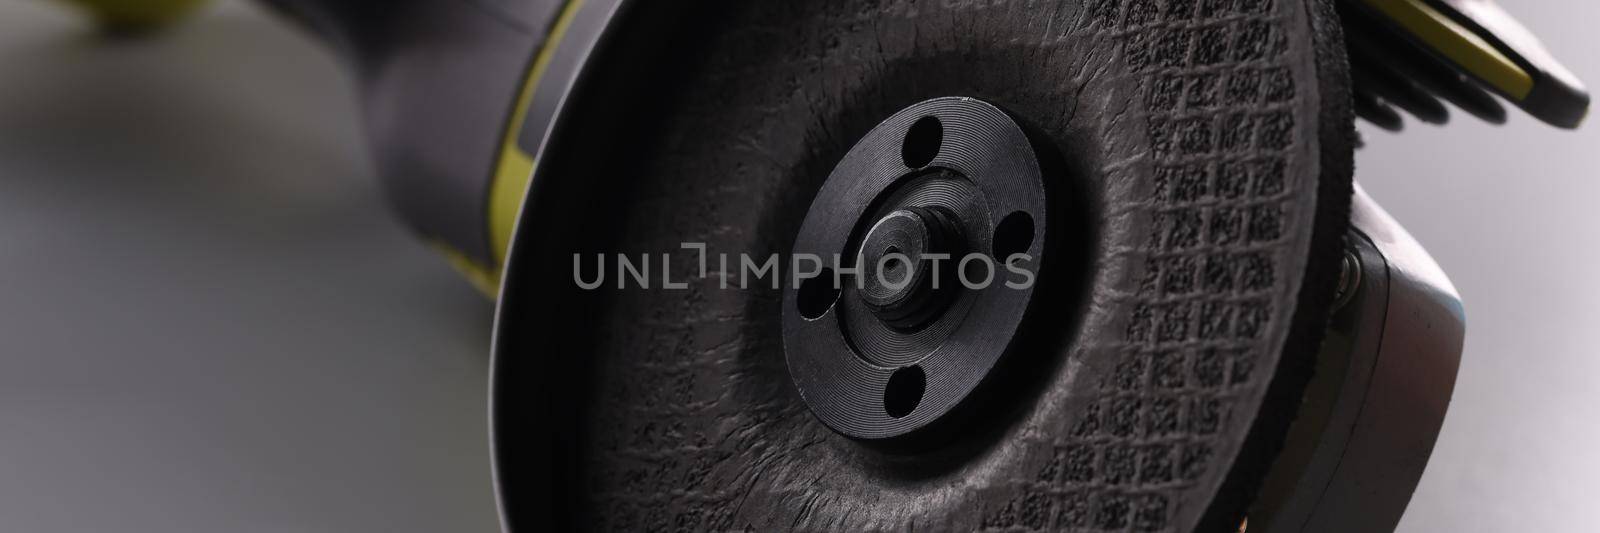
(1199, 192)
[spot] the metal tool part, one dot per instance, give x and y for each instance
(930, 212)
(1384, 379)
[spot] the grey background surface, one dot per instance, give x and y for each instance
(210, 322)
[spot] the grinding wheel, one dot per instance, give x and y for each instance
(1196, 157)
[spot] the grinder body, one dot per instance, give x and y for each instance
(442, 84)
